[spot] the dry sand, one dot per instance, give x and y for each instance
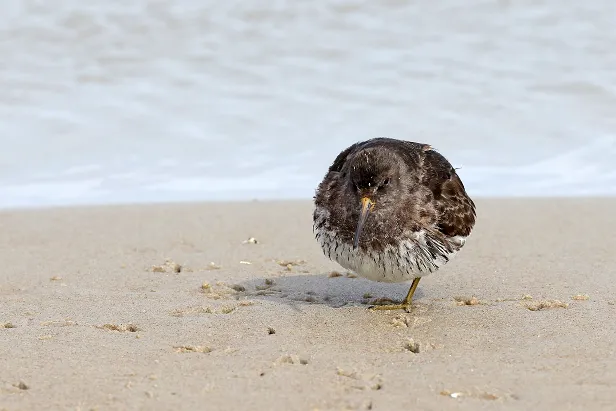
(92, 316)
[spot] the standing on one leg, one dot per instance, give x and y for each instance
(392, 211)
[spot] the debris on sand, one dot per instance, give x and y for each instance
(372, 382)
(478, 395)
(22, 386)
(580, 297)
(221, 290)
(448, 393)
(348, 374)
(192, 349)
(412, 346)
(246, 303)
(59, 323)
(401, 320)
(213, 266)
(183, 312)
(287, 263)
(120, 328)
(169, 266)
(251, 240)
(269, 283)
(291, 359)
(467, 301)
(334, 274)
(227, 310)
(7, 325)
(543, 305)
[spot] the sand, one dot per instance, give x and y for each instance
(234, 307)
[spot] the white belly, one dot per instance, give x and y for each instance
(409, 260)
(376, 268)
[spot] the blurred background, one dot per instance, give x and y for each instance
(107, 101)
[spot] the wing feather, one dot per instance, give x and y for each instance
(455, 210)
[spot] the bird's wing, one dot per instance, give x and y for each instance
(456, 210)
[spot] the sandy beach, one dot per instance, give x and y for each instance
(166, 307)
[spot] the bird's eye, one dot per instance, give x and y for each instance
(386, 182)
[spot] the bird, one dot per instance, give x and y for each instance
(392, 211)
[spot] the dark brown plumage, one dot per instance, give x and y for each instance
(392, 211)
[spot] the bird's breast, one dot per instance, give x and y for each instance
(410, 256)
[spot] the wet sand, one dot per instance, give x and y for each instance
(170, 307)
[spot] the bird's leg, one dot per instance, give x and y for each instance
(406, 303)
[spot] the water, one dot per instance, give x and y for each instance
(114, 101)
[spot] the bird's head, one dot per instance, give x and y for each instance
(373, 181)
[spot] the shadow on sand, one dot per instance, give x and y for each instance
(322, 289)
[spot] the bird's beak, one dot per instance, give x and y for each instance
(366, 207)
